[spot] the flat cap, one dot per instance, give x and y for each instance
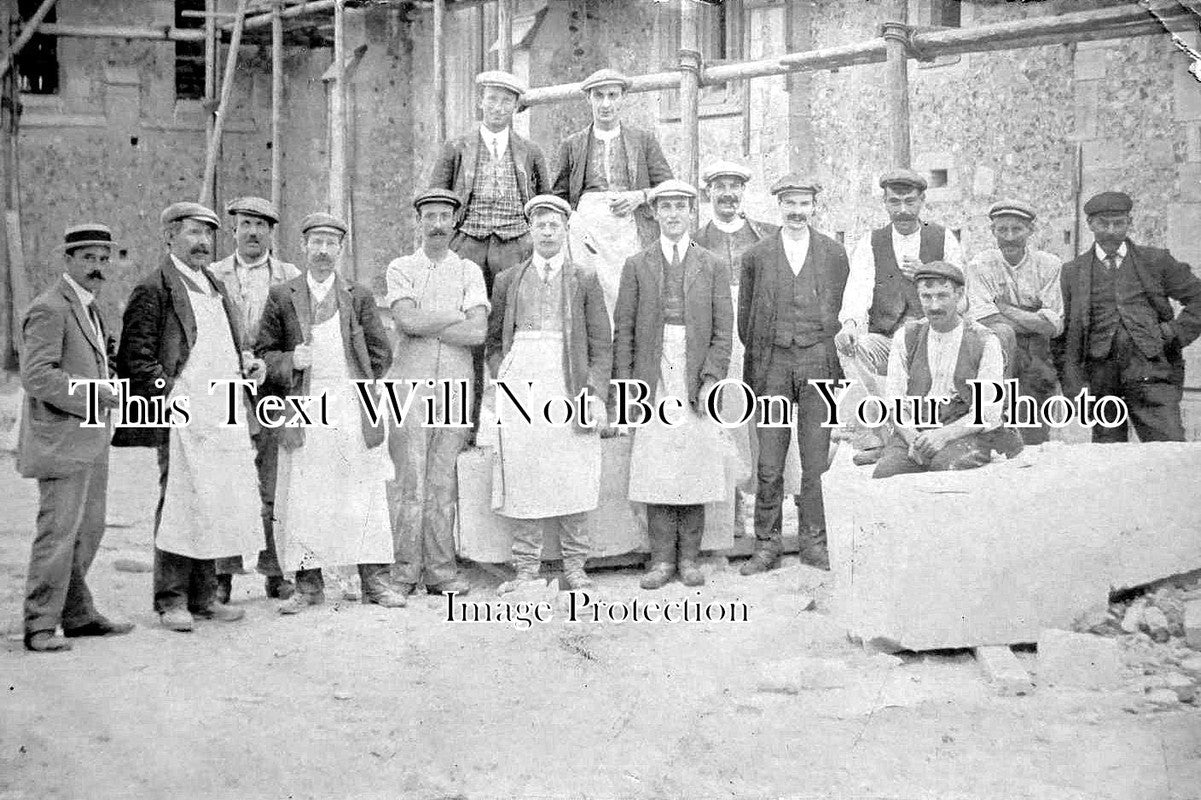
(903, 177)
(1118, 202)
(437, 196)
(672, 187)
(181, 211)
(1011, 208)
(792, 182)
(604, 77)
(725, 169)
(321, 219)
(88, 235)
(940, 269)
(553, 202)
(501, 80)
(254, 207)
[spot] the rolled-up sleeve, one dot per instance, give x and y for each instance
(399, 282)
(475, 293)
(861, 280)
(1051, 293)
(981, 291)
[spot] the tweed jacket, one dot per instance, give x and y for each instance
(59, 344)
(710, 235)
(286, 323)
(1163, 279)
(455, 168)
(587, 339)
(708, 319)
(645, 162)
(757, 294)
(157, 334)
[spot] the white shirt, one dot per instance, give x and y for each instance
(733, 226)
(85, 297)
(195, 277)
(796, 250)
(942, 353)
(555, 262)
(606, 136)
(861, 282)
(320, 289)
(1120, 253)
(681, 246)
(498, 142)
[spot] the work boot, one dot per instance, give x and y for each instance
(177, 619)
(221, 613)
(574, 575)
(278, 587)
(662, 564)
(812, 548)
(455, 584)
(45, 642)
(864, 457)
(225, 587)
(1007, 441)
(300, 601)
(376, 590)
(690, 550)
(526, 579)
(764, 559)
(405, 589)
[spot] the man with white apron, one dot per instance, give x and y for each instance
(605, 173)
(180, 333)
(319, 333)
(440, 307)
(672, 331)
(548, 340)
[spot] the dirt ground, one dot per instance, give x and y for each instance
(353, 701)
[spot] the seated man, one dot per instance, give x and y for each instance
(935, 358)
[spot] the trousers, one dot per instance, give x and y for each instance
(573, 541)
(266, 463)
(424, 499)
(179, 581)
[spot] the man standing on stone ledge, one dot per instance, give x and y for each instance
(440, 308)
(248, 273)
(788, 300)
(880, 294)
(1014, 291)
(494, 172)
(605, 172)
(548, 337)
(1122, 336)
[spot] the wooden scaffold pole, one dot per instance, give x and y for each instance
(337, 117)
(277, 97)
(690, 88)
(227, 86)
(504, 24)
(440, 67)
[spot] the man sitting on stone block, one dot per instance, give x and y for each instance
(934, 358)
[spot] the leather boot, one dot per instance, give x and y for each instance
(375, 588)
(690, 551)
(662, 565)
(278, 587)
(525, 579)
(574, 575)
(765, 558)
(225, 587)
(812, 548)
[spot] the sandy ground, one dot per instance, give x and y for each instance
(350, 701)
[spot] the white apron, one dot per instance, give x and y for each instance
(683, 463)
(331, 497)
(603, 241)
(541, 470)
(211, 508)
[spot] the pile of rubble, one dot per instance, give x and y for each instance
(1158, 638)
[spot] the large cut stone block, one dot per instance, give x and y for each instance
(994, 555)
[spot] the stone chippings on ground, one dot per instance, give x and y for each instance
(361, 702)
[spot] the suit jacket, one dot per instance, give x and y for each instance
(708, 319)
(286, 323)
(757, 294)
(157, 334)
(645, 162)
(455, 168)
(58, 344)
(709, 236)
(587, 340)
(1163, 279)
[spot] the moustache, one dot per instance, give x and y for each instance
(796, 217)
(439, 232)
(96, 275)
(725, 198)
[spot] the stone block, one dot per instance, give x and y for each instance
(615, 527)
(1089, 65)
(1184, 687)
(994, 555)
(1078, 659)
(1186, 90)
(1192, 624)
(1085, 108)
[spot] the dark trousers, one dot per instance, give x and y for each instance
(669, 526)
(493, 255)
(789, 371)
(179, 580)
(966, 453)
(1027, 358)
(266, 461)
(70, 525)
(312, 581)
(1151, 388)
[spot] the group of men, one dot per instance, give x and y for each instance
(554, 288)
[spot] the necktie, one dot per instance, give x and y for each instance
(495, 150)
(546, 273)
(1111, 261)
(675, 255)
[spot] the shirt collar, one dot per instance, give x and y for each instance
(666, 246)
(83, 294)
(251, 264)
(195, 276)
(897, 236)
(733, 226)
(606, 136)
(555, 262)
(1120, 252)
(495, 141)
(320, 289)
(958, 329)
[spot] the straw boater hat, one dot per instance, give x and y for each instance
(181, 211)
(254, 207)
(322, 221)
(92, 234)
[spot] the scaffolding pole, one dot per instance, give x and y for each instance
(27, 31)
(690, 89)
(337, 117)
(504, 24)
(440, 67)
(211, 56)
(227, 86)
(896, 98)
(277, 97)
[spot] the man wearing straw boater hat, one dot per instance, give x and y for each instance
(606, 172)
(319, 333)
(248, 274)
(673, 327)
(65, 338)
(180, 334)
(548, 337)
